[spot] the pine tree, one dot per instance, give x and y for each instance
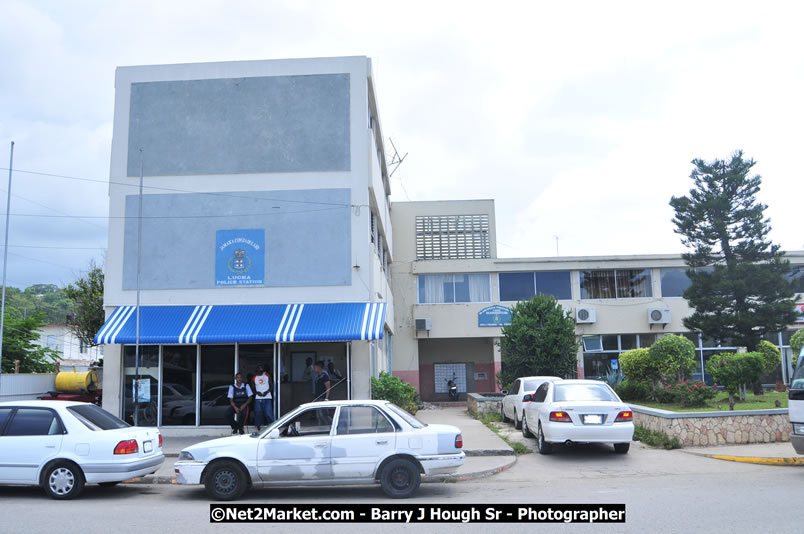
(739, 291)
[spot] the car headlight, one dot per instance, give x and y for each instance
(185, 456)
(798, 428)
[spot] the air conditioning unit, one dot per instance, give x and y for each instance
(659, 316)
(585, 314)
(424, 324)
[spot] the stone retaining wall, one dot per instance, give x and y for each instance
(478, 403)
(696, 429)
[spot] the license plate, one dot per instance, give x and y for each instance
(592, 419)
(148, 446)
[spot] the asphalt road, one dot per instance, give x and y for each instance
(665, 491)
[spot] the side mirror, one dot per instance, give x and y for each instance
(504, 392)
(527, 398)
(274, 434)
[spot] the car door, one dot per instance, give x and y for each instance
(532, 408)
(301, 451)
(511, 399)
(31, 437)
(363, 436)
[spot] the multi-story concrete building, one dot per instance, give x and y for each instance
(452, 295)
(265, 233)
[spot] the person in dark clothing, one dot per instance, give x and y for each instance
(321, 382)
(240, 396)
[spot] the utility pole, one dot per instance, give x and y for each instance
(5, 257)
(137, 340)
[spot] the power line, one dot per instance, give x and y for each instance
(175, 190)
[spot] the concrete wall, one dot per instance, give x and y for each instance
(25, 386)
(305, 244)
(249, 124)
(717, 428)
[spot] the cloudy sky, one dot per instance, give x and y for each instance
(580, 119)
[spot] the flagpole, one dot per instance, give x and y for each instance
(5, 257)
(137, 340)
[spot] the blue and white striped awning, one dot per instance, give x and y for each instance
(348, 321)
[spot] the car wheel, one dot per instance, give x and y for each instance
(544, 446)
(226, 481)
(63, 480)
(400, 478)
(502, 414)
(517, 422)
(621, 448)
(108, 484)
(525, 430)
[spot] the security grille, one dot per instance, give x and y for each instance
(444, 372)
(452, 237)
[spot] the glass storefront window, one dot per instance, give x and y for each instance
(148, 370)
(610, 343)
(217, 374)
(178, 384)
(250, 356)
(628, 341)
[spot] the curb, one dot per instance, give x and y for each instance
(758, 460)
(168, 479)
(490, 452)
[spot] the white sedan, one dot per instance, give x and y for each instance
(577, 411)
(61, 446)
(511, 406)
(326, 443)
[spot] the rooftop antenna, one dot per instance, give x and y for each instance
(556, 238)
(396, 161)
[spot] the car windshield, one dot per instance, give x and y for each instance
(798, 377)
(532, 385)
(409, 419)
(582, 392)
(96, 418)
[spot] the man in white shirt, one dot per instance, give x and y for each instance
(264, 399)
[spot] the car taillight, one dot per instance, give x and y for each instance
(458, 441)
(624, 417)
(560, 417)
(128, 446)
(160, 441)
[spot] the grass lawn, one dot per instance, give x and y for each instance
(721, 403)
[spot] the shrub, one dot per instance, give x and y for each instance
(638, 366)
(771, 356)
(633, 390)
(689, 393)
(655, 439)
(674, 356)
(613, 376)
(734, 370)
(391, 388)
(796, 343)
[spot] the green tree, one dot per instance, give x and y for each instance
(540, 340)
(86, 294)
(674, 356)
(734, 370)
(772, 358)
(739, 291)
(19, 343)
(638, 366)
(796, 343)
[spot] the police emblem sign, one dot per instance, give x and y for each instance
(240, 257)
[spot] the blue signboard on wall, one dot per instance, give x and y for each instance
(240, 257)
(494, 316)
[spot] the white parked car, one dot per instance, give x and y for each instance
(326, 443)
(577, 411)
(511, 406)
(63, 445)
(795, 406)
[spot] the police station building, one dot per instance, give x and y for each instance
(266, 239)
(264, 236)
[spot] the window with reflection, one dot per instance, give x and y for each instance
(619, 283)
